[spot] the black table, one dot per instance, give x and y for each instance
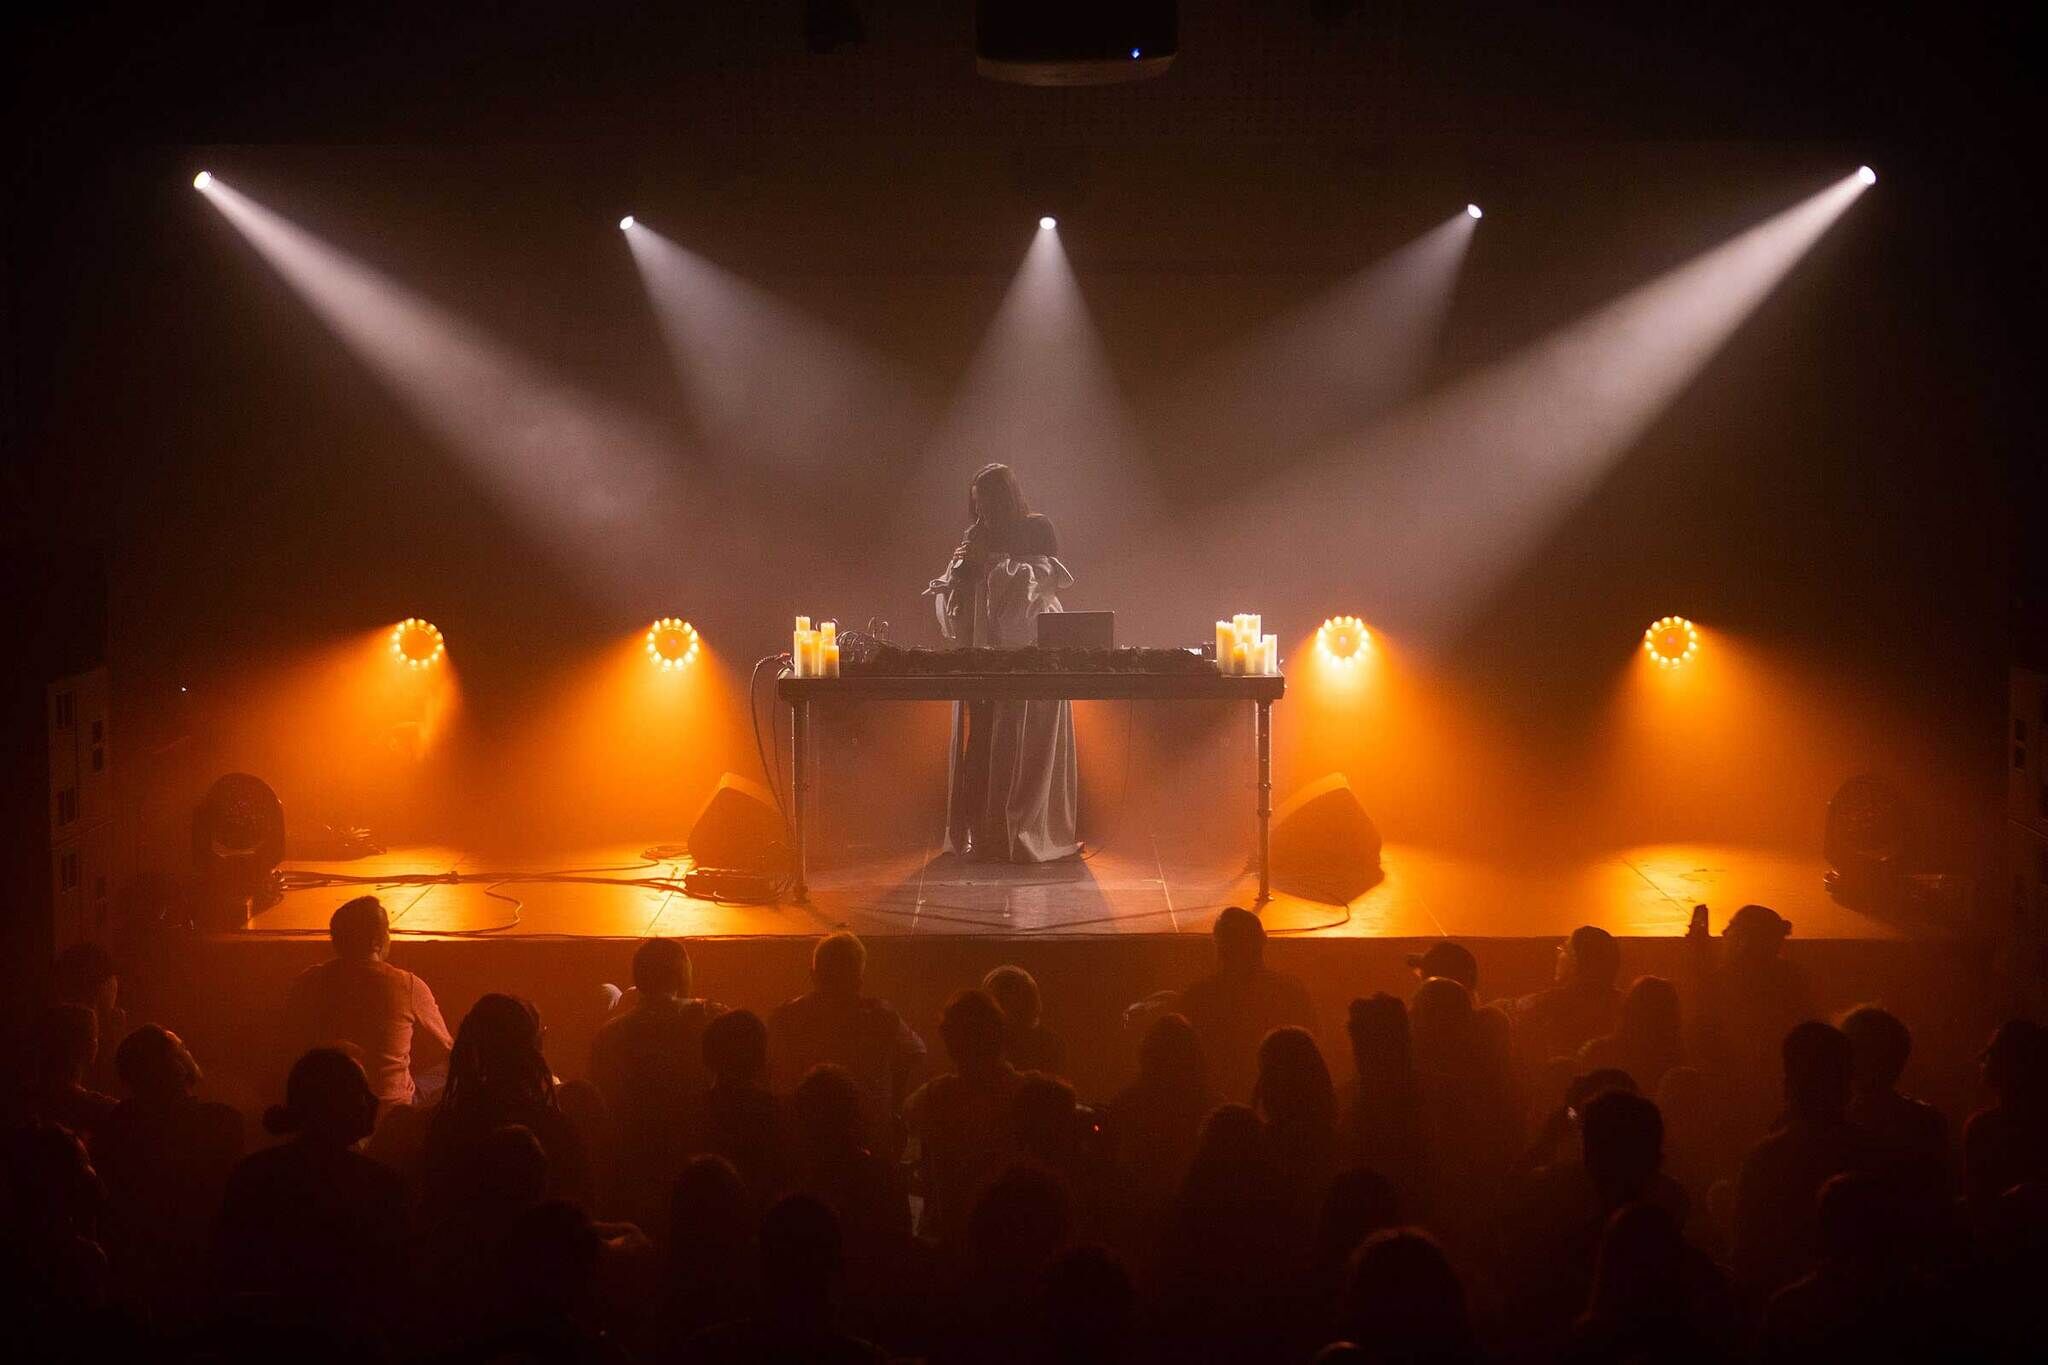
(1261, 692)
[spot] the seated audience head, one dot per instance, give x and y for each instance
(661, 969)
(1879, 1043)
(1639, 1271)
(1293, 1084)
(548, 1261)
(800, 1251)
(736, 1047)
(838, 965)
(1231, 1138)
(155, 1065)
(1381, 1046)
(1170, 1054)
(825, 1109)
(1440, 1024)
(1403, 1297)
(710, 1211)
(2015, 1064)
(1623, 1139)
(1818, 1064)
(497, 1056)
(1590, 957)
(972, 1028)
(84, 974)
(1015, 991)
(1755, 933)
(1650, 1012)
(327, 1101)
(1086, 1306)
(66, 1042)
(1450, 960)
(1860, 1219)
(1240, 941)
(1019, 1224)
(1585, 1086)
(1045, 1119)
(360, 929)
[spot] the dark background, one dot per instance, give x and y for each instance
(1853, 480)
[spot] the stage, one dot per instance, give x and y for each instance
(1646, 891)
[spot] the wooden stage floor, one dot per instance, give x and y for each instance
(1645, 891)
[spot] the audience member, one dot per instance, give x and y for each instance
(1645, 1043)
(1384, 1125)
(497, 1076)
(2006, 1144)
(1240, 1002)
(1405, 1305)
(1294, 1098)
(312, 1229)
(838, 1024)
(647, 1061)
(831, 1161)
(1083, 1315)
(1654, 1297)
(85, 974)
(62, 1050)
(1863, 1300)
(1229, 1249)
(713, 1275)
(1746, 1000)
(54, 1281)
(165, 1155)
(1582, 1005)
(1154, 1122)
(740, 1119)
(961, 1120)
(1027, 1042)
(1453, 961)
(359, 1001)
(1776, 1238)
(547, 1301)
(800, 1260)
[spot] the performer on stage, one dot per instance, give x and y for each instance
(1012, 784)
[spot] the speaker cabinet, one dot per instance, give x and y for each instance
(1325, 846)
(739, 829)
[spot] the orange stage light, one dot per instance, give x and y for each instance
(417, 643)
(1343, 638)
(672, 643)
(1671, 641)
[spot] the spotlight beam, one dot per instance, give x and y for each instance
(591, 482)
(1441, 499)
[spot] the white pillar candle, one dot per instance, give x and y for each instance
(796, 650)
(1269, 655)
(1240, 661)
(829, 657)
(1225, 637)
(803, 623)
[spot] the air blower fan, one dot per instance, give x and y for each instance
(237, 843)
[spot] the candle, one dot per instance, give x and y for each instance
(830, 630)
(1240, 661)
(1269, 655)
(1224, 639)
(796, 650)
(1253, 629)
(803, 623)
(829, 657)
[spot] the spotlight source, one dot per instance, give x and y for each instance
(1472, 211)
(417, 643)
(1671, 641)
(202, 180)
(1048, 223)
(626, 223)
(672, 643)
(1866, 175)
(1343, 638)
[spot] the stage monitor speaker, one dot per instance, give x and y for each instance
(740, 830)
(1324, 844)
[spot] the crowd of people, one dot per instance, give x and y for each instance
(1688, 1171)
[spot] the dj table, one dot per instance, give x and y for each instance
(1261, 692)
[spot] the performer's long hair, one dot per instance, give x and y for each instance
(996, 500)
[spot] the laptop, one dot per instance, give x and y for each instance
(1077, 630)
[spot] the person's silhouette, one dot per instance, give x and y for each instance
(1240, 1002)
(1776, 1237)
(800, 1260)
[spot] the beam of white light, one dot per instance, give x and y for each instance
(766, 383)
(1039, 397)
(1429, 509)
(1323, 369)
(591, 482)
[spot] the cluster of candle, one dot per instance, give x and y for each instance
(816, 651)
(1242, 649)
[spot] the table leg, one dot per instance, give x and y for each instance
(800, 793)
(1262, 738)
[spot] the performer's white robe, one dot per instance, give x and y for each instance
(1012, 781)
